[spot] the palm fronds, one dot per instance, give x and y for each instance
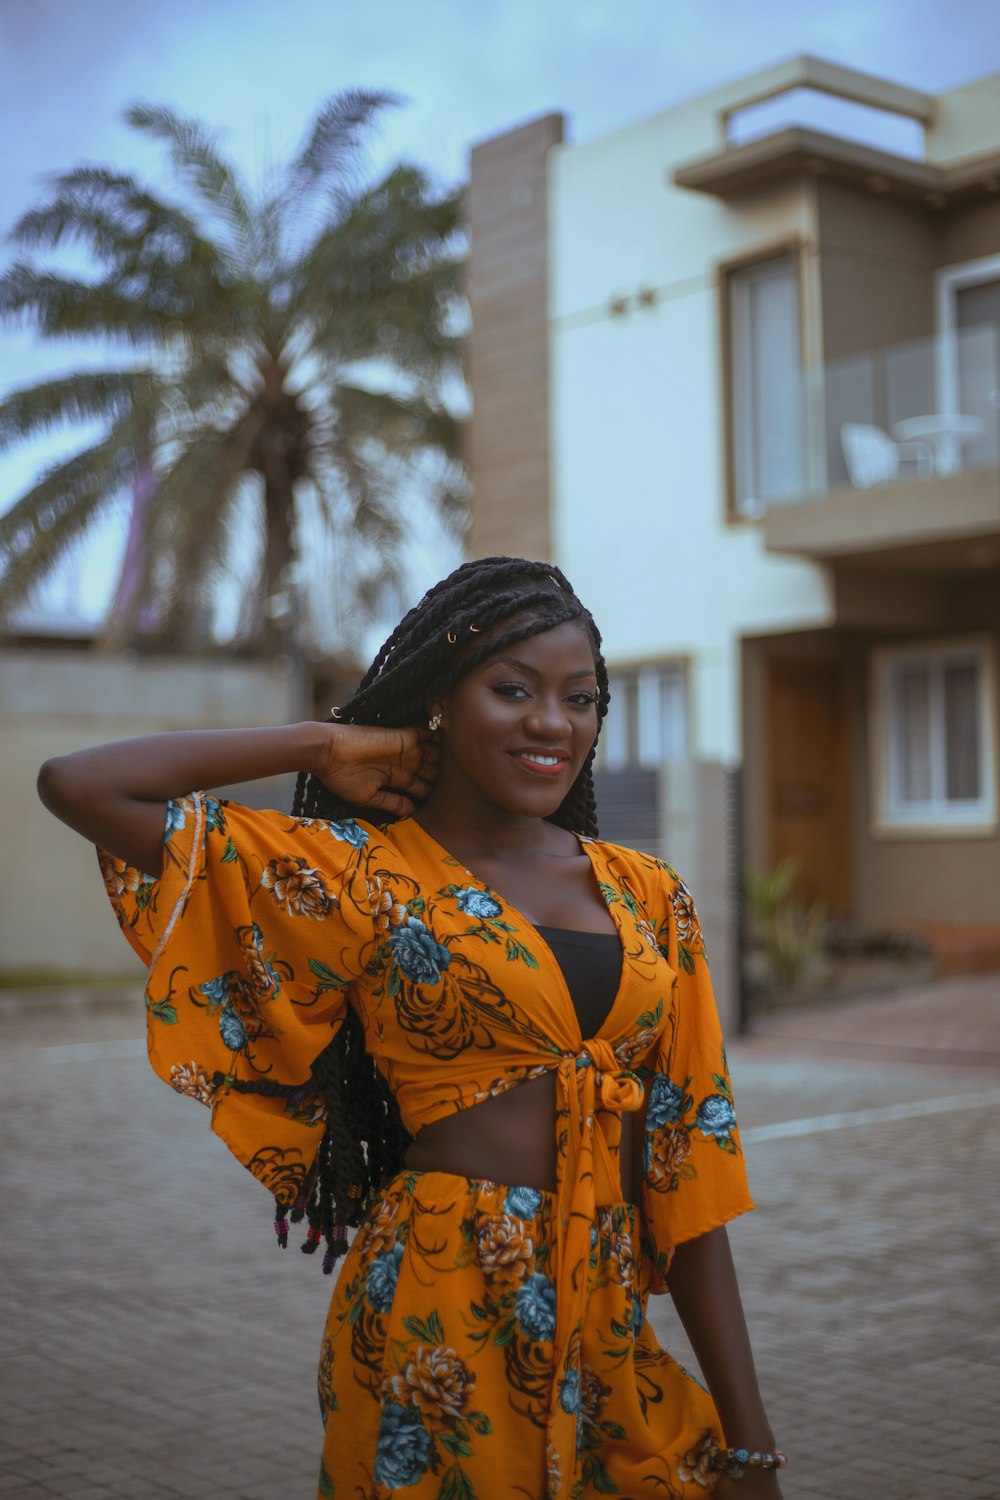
(254, 340)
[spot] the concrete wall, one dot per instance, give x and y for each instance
(967, 120)
(55, 921)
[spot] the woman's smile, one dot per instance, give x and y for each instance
(517, 729)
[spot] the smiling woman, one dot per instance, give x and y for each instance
(433, 1005)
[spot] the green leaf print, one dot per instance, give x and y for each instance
(329, 978)
(325, 1482)
(163, 1011)
(686, 960)
(505, 1333)
(416, 906)
(516, 951)
(650, 1018)
(454, 1485)
(611, 896)
(597, 1476)
(481, 1423)
(429, 1332)
(229, 857)
(453, 1444)
(722, 1084)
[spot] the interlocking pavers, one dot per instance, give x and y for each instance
(157, 1345)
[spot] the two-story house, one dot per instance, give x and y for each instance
(745, 389)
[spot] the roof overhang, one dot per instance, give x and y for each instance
(798, 152)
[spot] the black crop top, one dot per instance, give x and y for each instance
(591, 963)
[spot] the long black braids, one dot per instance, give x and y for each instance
(481, 608)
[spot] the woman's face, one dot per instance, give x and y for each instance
(517, 730)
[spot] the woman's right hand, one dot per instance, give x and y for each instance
(389, 770)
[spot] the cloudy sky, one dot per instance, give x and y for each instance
(469, 68)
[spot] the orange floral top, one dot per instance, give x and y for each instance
(262, 927)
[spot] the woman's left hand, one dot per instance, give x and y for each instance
(391, 770)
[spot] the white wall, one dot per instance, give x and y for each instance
(637, 412)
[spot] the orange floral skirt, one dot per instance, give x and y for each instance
(436, 1376)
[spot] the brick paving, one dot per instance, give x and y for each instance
(156, 1344)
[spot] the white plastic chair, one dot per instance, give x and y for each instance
(873, 458)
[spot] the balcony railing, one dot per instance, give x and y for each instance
(917, 410)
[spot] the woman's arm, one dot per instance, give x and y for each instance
(115, 795)
(703, 1287)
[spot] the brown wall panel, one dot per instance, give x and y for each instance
(507, 283)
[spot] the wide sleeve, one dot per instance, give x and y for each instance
(694, 1177)
(252, 934)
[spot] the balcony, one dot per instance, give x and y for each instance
(899, 458)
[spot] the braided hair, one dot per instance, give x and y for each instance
(480, 609)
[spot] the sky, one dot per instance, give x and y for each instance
(468, 69)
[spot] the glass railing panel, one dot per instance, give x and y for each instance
(921, 409)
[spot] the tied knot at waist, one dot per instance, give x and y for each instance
(614, 1087)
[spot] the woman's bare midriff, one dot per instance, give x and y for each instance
(510, 1139)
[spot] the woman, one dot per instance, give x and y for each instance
(432, 1004)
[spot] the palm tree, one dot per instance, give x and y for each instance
(282, 362)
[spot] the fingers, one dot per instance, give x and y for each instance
(392, 802)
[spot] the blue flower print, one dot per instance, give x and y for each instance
(232, 1030)
(638, 1317)
(383, 1273)
(216, 991)
(417, 952)
(666, 1102)
(570, 1396)
(716, 1116)
(215, 817)
(348, 832)
(403, 1447)
(523, 1201)
(536, 1308)
(175, 820)
(477, 903)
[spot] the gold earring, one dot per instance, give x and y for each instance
(434, 723)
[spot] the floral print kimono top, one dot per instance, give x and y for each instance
(263, 927)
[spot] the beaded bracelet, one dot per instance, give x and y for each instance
(736, 1461)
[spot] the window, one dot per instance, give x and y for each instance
(766, 386)
(968, 355)
(934, 721)
(647, 720)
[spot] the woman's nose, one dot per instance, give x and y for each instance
(548, 717)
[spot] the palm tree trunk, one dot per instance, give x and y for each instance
(280, 590)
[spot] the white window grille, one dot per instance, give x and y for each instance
(935, 737)
(647, 719)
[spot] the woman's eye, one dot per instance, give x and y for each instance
(510, 690)
(583, 700)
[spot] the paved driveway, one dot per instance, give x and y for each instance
(156, 1343)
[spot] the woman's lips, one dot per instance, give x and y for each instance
(548, 763)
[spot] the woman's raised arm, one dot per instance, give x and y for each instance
(115, 795)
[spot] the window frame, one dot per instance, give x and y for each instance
(938, 817)
(793, 248)
(949, 281)
(648, 676)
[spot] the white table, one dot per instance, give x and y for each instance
(944, 432)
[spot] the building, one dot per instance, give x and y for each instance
(744, 388)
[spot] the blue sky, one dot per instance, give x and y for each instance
(469, 68)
